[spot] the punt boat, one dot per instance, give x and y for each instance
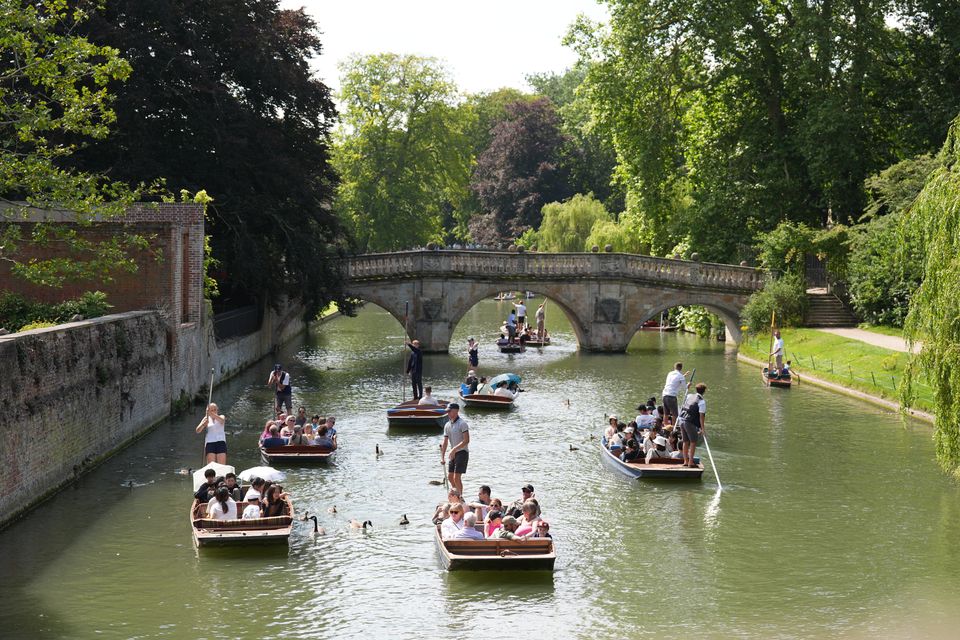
(782, 382)
(506, 346)
(662, 468)
(484, 400)
(409, 414)
(536, 342)
(302, 453)
(504, 555)
(220, 533)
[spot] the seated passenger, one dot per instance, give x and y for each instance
(223, 507)
(442, 512)
(527, 523)
(208, 488)
(623, 434)
(453, 525)
(230, 480)
(255, 492)
(543, 530)
(274, 440)
(494, 521)
(323, 439)
(252, 511)
(785, 373)
(507, 529)
(471, 381)
(631, 452)
(298, 437)
(469, 531)
(301, 419)
(610, 430)
(482, 503)
(659, 416)
(515, 508)
(287, 429)
(483, 387)
(274, 504)
(503, 391)
(427, 400)
(659, 449)
(645, 420)
(673, 445)
(332, 429)
(266, 429)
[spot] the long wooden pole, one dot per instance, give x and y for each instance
(773, 319)
(705, 442)
(206, 412)
(403, 357)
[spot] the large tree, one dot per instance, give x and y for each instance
(404, 154)
(222, 98)
(53, 85)
(519, 172)
(760, 111)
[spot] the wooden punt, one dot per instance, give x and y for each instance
(662, 468)
(222, 533)
(487, 401)
(504, 555)
(539, 343)
(409, 414)
(780, 383)
(509, 347)
(302, 453)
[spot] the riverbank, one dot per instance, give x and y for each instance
(845, 365)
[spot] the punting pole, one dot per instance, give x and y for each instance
(773, 318)
(203, 455)
(713, 464)
(403, 357)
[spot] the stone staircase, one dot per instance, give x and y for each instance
(826, 310)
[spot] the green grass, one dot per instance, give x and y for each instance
(883, 330)
(850, 363)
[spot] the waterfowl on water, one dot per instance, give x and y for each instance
(317, 529)
(306, 515)
(356, 524)
(332, 509)
(435, 483)
(573, 448)
(404, 520)
(184, 472)
(379, 453)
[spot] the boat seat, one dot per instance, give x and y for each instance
(486, 547)
(298, 448)
(200, 521)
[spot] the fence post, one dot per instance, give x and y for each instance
(850, 368)
(874, 379)
(894, 378)
(813, 363)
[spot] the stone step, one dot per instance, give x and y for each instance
(826, 310)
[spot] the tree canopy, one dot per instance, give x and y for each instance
(405, 151)
(55, 97)
(222, 98)
(567, 225)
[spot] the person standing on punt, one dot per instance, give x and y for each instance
(280, 379)
(521, 314)
(457, 434)
(215, 442)
(778, 351)
(693, 422)
(415, 369)
(675, 385)
(472, 352)
(541, 317)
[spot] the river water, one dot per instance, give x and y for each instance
(834, 520)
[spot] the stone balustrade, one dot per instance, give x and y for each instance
(552, 266)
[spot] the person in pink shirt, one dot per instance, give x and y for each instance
(528, 521)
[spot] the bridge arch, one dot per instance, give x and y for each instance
(558, 298)
(729, 315)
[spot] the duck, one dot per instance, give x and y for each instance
(184, 471)
(356, 524)
(332, 509)
(573, 448)
(306, 516)
(404, 521)
(377, 449)
(435, 483)
(317, 529)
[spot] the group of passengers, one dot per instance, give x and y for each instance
(649, 436)
(223, 497)
(479, 385)
(488, 519)
(297, 429)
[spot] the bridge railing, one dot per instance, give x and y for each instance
(508, 265)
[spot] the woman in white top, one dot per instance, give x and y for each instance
(215, 444)
(223, 507)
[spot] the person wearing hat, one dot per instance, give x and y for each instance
(456, 434)
(280, 380)
(471, 382)
(515, 508)
(658, 450)
(631, 451)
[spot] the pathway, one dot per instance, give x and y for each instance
(894, 343)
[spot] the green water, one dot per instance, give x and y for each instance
(834, 521)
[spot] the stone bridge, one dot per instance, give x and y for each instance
(605, 296)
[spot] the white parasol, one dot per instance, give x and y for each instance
(267, 473)
(199, 479)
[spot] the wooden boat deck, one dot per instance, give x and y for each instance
(303, 453)
(780, 383)
(410, 414)
(663, 468)
(487, 401)
(503, 555)
(218, 533)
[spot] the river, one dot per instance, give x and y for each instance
(834, 520)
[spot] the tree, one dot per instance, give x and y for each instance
(519, 172)
(54, 86)
(404, 155)
(222, 99)
(566, 225)
(935, 305)
(625, 235)
(762, 112)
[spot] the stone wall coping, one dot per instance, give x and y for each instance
(113, 317)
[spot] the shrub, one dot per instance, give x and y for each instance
(786, 295)
(36, 325)
(17, 311)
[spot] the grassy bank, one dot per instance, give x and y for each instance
(850, 363)
(883, 330)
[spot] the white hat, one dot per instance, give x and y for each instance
(660, 440)
(629, 430)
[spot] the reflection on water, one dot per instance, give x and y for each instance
(833, 520)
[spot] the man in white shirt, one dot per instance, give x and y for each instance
(521, 314)
(503, 391)
(778, 351)
(456, 433)
(427, 399)
(469, 530)
(675, 385)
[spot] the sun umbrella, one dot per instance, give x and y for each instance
(267, 473)
(199, 479)
(504, 377)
